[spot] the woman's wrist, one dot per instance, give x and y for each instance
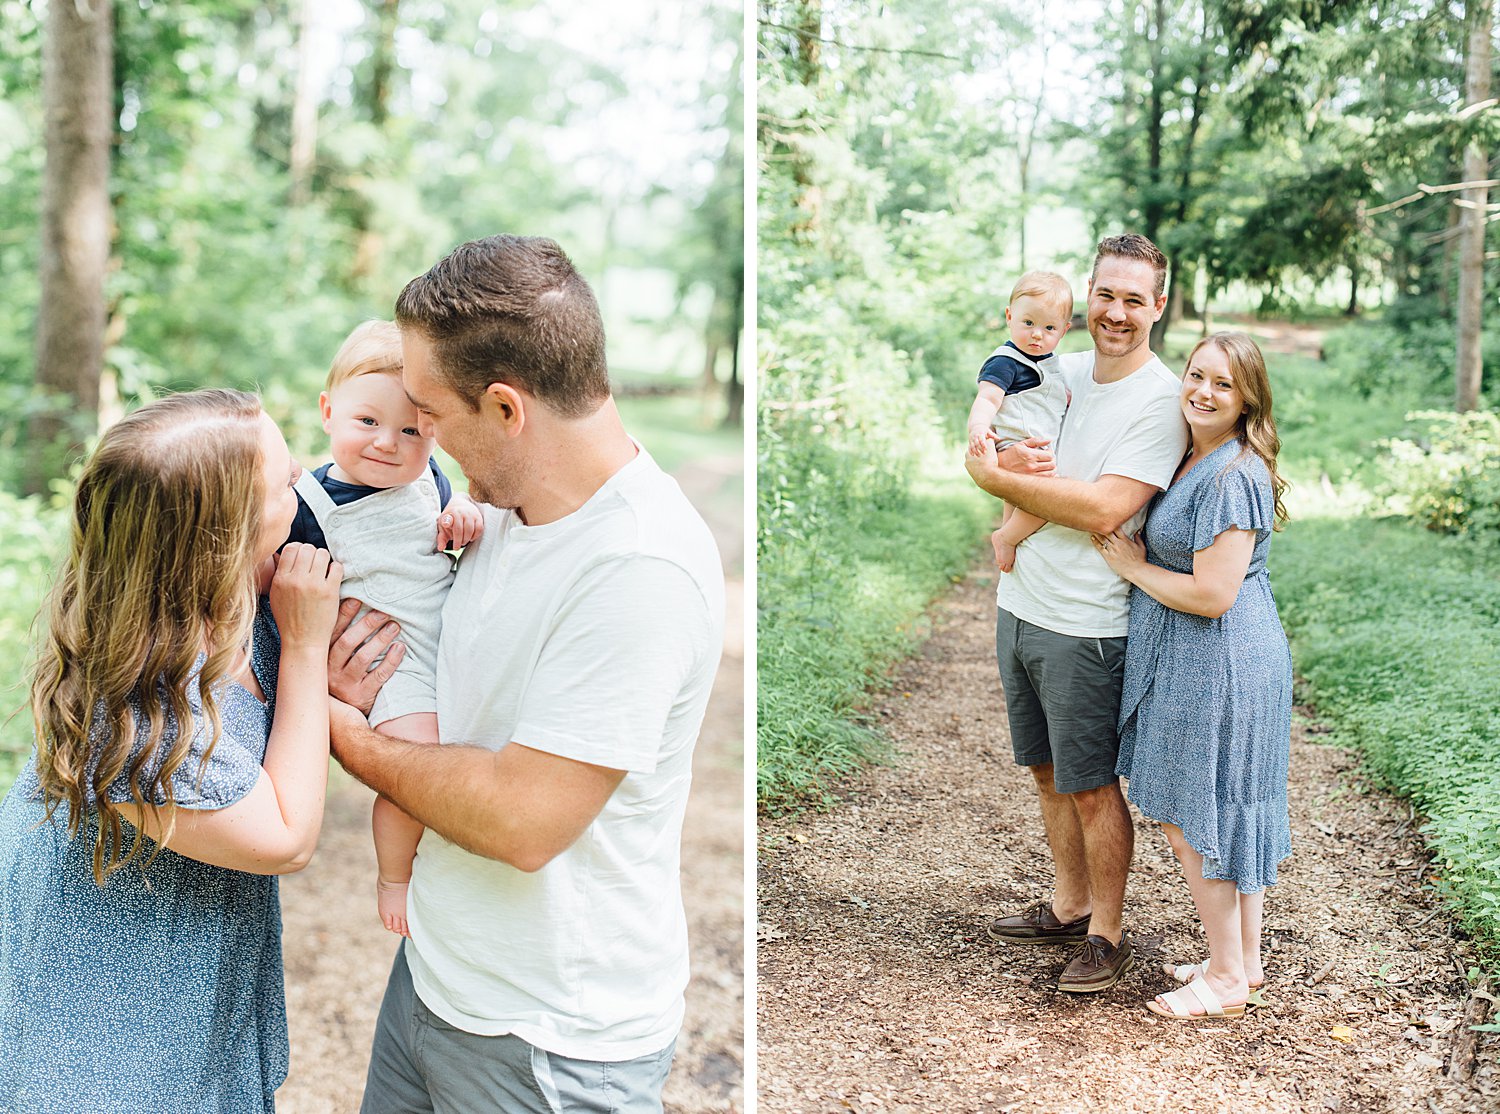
(306, 653)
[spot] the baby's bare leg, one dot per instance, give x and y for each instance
(397, 834)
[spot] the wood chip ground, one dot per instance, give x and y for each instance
(879, 990)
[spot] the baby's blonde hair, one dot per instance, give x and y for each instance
(374, 346)
(1049, 286)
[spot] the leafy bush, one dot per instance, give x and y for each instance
(1376, 358)
(1449, 480)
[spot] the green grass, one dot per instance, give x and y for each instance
(1393, 627)
(836, 611)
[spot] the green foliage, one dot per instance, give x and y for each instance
(437, 122)
(1392, 362)
(35, 532)
(1393, 631)
(843, 584)
(1449, 478)
(884, 209)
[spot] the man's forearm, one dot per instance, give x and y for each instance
(517, 805)
(1072, 503)
(423, 779)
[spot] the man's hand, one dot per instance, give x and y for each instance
(460, 523)
(1032, 457)
(352, 649)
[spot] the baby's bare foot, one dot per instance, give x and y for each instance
(390, 899)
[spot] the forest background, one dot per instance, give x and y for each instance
(1314, 170)
(235, 184)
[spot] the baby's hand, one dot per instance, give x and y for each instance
(1005, 553)
(460, 523)
(978, 435)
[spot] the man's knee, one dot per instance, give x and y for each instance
(1101, 800)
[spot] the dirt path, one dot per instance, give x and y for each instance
(337, 956)
(880, 991)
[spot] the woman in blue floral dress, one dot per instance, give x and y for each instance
(180, 764)
(1205, 715)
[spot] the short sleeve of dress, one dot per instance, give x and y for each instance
(1238, 498)
(232, 769)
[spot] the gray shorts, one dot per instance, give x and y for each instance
(419, 1064)
(1062, 697)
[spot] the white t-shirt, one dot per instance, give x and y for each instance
(595, 637)
(1132, 427)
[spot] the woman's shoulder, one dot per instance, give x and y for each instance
(1245, 464)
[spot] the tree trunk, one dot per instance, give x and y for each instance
(382, 64)
(78, 95)
(807, 61)
(1153, 210)
(1352, 309)
(304, 112)
(1480, 16)
(734, 391)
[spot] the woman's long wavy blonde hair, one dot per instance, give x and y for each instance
(160, 568)
(1257, 427)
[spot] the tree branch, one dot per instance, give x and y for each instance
(849, 46)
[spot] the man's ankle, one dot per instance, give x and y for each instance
(1068, 913)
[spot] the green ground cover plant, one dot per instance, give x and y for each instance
(1393, 630)
(863, 515)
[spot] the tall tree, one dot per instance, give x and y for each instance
(304, 110)
(1480, 17)
(78, 93)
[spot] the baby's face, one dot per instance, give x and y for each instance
(1036, 325)
(372, 430)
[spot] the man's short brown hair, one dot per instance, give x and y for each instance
(511, 309)
(1132, 245)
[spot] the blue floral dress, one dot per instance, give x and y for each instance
(162, 989)
(1206, 708)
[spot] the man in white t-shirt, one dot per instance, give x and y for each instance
(548, 948)
(1063, 613)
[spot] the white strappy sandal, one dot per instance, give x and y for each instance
(1187, 972)
(1179, 1003)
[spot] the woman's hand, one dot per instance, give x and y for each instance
(1123, 554)
(305, 595)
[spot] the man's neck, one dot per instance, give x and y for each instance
(1111, 369)
(581, 455)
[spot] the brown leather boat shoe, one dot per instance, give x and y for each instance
(1096, 965)
(1038, 925)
